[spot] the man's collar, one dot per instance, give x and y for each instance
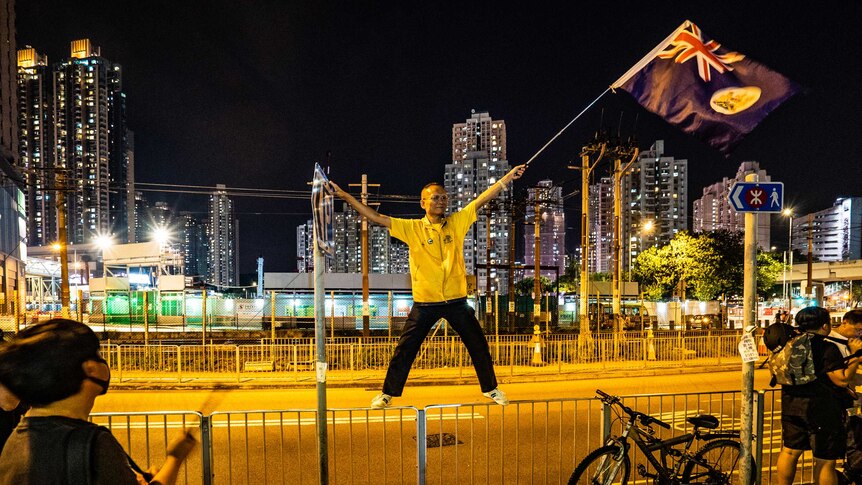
(428, 223)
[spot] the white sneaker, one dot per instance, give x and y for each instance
(381, 401)
(498, 396)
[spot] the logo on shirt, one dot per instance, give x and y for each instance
(447, 239)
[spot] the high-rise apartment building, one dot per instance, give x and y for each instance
(835, 233)
(91, 143)
(223, 240)
(348, 238)
(36, 146)
(601, 236)
(304, 253)
(159, 215)
(548, 198)
(713, 210)
(478, 161)
(387, 255)
(13, 251)
(193, 244)
(654, 200)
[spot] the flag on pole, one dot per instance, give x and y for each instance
(705, 89)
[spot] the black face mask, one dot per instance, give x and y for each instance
(103, 383)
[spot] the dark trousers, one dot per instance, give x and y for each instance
(422, 317)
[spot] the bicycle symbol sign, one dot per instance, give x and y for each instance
(757, 196)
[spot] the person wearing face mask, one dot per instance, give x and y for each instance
(55, 366)
(439, 282)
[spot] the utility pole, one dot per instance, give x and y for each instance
(511, 281)
(537, 259)
(586, 168)
(542, 200)
(490, 310)
(619, 172)
(63, 242)
(366, 313)
(808, 280)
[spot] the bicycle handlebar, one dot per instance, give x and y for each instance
(646, 419)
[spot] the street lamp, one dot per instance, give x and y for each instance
(646, 228)
(788, 285)
(103, 242)
(161, 235)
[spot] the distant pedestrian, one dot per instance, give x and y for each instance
(56, 367)
(439, 282)
(813, 414)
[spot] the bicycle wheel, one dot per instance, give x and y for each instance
(604, 466)
(716, 463)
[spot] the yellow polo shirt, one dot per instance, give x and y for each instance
(437, 271)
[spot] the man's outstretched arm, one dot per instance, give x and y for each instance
(494, 190)
(363, 210)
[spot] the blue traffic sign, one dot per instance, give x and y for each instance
(757, 196)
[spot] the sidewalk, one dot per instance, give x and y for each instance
(418, 377)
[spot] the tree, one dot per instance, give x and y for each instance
(769, 270)
(525, 286)
(570, 280)
(855, 293)
(705, 265)
(686, 264)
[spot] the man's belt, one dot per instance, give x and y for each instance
(463, 299)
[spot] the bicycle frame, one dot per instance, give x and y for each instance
(648, 444)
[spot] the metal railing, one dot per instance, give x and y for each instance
(525, 442)
(370, 357)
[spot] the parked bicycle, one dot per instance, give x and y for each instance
(717, 462)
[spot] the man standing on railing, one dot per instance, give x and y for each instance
(439, 281)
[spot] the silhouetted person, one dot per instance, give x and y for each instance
(55, 366)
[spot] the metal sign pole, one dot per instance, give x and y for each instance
(749, 294)
(320, 339)
(321, 206)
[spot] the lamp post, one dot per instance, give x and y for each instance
(103, 242)
(789, 283)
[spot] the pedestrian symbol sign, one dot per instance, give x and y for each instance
(757, 196)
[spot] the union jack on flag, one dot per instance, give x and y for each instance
(704, 89)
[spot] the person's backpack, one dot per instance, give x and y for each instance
(776, 335)
(791, 363)
(79, 455)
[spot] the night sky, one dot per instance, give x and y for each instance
(252, 93)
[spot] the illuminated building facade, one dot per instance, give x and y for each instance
(552, 229)
(713, 211)
(36, 146)
(223, 237)
(92, 144)
(479, 161)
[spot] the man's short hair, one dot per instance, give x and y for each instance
(432, 184)
(853, 317)
(42, 363)
(812, 318)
